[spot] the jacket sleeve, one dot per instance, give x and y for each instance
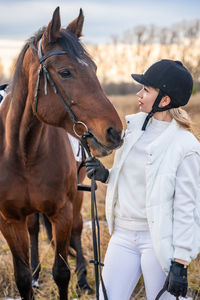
(187, 182)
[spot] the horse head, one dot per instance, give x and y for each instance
(68, 90)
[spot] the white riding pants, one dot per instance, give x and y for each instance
(130, 254)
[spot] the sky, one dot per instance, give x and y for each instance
(19, 19)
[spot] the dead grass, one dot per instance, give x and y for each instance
(124, 105)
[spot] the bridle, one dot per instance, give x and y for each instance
(83, 140)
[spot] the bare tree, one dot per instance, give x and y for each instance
(174, 36)
(114, 39)
(140, 34)
(128, 37)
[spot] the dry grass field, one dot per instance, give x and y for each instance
(124, 105)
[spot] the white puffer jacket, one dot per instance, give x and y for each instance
(164, 156)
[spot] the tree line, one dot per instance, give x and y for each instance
(137, 48)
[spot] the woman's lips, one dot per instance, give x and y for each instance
(140, 103)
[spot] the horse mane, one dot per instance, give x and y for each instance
(67, 40)
(70, 43)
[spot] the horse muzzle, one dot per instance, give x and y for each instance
(99, 149)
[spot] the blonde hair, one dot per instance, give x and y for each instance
(183, 119)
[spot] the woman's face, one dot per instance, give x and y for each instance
(146, 97)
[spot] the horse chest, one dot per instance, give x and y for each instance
(24, 191)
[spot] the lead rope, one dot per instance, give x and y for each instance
(95, 225)
(96, 242)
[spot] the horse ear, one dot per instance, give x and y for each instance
(52, 31)
(76, 26)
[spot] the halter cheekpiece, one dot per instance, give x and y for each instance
(47, 77)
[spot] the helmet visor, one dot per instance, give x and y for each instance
(140, 79)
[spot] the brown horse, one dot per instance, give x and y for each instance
(37, 167)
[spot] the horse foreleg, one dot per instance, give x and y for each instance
(16, 235)
(61, 229)
(75, 243)
(34, 228)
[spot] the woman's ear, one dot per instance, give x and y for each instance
(165, 101)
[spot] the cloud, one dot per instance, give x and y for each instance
(20, 19)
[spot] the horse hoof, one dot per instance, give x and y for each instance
(35, 284)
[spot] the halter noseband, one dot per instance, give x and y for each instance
(47, 77)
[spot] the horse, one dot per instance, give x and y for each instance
(75, 240)
(54, 90)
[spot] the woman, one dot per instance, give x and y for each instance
(152, 206)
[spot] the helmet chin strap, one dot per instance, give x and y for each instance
(155, 108)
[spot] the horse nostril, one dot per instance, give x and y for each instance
(113, 135)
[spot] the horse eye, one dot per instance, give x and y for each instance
(65, 74)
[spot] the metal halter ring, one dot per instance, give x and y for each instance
(74, 129)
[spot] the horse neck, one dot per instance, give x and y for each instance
(24, 131)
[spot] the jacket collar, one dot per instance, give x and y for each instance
(134, 124)
(135, 121)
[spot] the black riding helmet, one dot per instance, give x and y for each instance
(172, 79)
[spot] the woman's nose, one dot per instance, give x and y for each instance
(139, 94)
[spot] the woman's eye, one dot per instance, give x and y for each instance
(65, 74)
(145, 89)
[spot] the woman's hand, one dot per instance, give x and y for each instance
(96, 168)
(176, 282)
